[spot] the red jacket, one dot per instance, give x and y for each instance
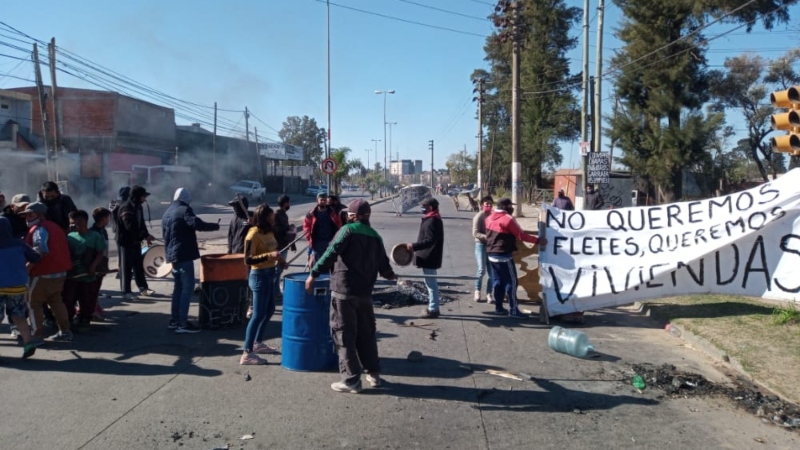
(57, 259)
(502, 232)
(311, 220)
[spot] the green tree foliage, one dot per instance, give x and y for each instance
(745, 85)
(662, 82)
(304, 132)
(462, 167)
(344, 166)
(548, 105)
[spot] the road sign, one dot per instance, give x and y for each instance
(328, 166)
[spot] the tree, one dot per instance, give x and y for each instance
(462, 167)
(746, 86)
(343, 167)
(548, 90)
(662, 83)
(305, 133)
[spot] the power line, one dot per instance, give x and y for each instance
(482, 2)
(447, 11)
(385, 16)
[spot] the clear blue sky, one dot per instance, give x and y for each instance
(270, 55)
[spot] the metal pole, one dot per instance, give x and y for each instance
(375, 141)
(480, 134)
(384, 136)
(328, 147)
(585, 84)
(214, 148)
(516, 165)
(598, 82)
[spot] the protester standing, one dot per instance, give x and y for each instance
(87, 251)
(355, 258)
(131, 231)
(179, 226)
(563, 202)
(502, 232)
(333, 201)
(262, 255)
(285, 234)
(15, 254)
(479, 233)
(11, 212)
(428, 252)
(594, 201)
(58, 205)
(320, 225)
(101, 217)
(47, 276)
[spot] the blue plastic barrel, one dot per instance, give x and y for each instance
(306, 338)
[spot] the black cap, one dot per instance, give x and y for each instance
(432, 202)
(359, 207)
(138, 191)
(244, 201)
(503, 202)
(322, 195)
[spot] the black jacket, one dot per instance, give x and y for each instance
(131, 229)
(430, 243)
(58, 210)
(594, 201)
(282, 228)
(357, 256)
(19, 228)
(178, 226)
(240, 225)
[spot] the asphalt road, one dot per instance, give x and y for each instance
(133, 384)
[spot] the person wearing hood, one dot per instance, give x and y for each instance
(428, 251)
(13, 284)
(131, 231)
(563, 202)
(502, 232)
(58, 205)
(179, 226)
(240, 224)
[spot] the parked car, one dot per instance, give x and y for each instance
(314, 190)
(250, 189)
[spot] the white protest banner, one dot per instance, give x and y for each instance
(747, 243)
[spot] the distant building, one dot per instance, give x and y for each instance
(418, 166)
(401, 167)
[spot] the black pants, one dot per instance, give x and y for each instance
(353, 330)
(131, 265)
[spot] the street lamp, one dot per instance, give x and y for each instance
(376, 149)
(390, 147)
(384, 92)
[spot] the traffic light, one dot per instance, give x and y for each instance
(787, 121)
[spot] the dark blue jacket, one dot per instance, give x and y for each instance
(14, 252)
(178, 227)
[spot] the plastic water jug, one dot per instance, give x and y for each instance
(571, 342)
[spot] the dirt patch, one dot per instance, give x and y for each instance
(745, 330)
(744, 395)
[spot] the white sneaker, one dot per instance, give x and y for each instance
(477, 296)
(341, 386)
(489, 298)
(374, 381)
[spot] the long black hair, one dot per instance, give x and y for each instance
(263, 220)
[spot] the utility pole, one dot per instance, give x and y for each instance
(258, 159)
(51, 48)
(597, 128)
(430, 146)
(585, 105)
(214, 147)
(479, 99)
(516, 166)
(390, 146)
(375, 141)
(42, 106)
(328, 146)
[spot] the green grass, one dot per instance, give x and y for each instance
(786, 315)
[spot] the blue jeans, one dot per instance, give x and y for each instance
(319, 249)
(483, 267)
(433, 290)
(262, 283)
(183, 274)
(504, 275)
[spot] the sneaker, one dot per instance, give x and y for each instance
(61, 336)
(477, 296)
(428, 314)
(517, 314)
(341, 386)
(173, 324)
(15, 333)
(188, 328)
(130, 296)
(29, 350)
(147, 292)
(374, 380)
(499, 312)
(264, 349)
(249, 312)
(251, 359)
(489, 299)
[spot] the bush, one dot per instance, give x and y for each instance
(786, 315)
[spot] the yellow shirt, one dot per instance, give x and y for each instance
(261, 243)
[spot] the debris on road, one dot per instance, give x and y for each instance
(246, 437)
(247, 376)
(500, 373)
(405, 293)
